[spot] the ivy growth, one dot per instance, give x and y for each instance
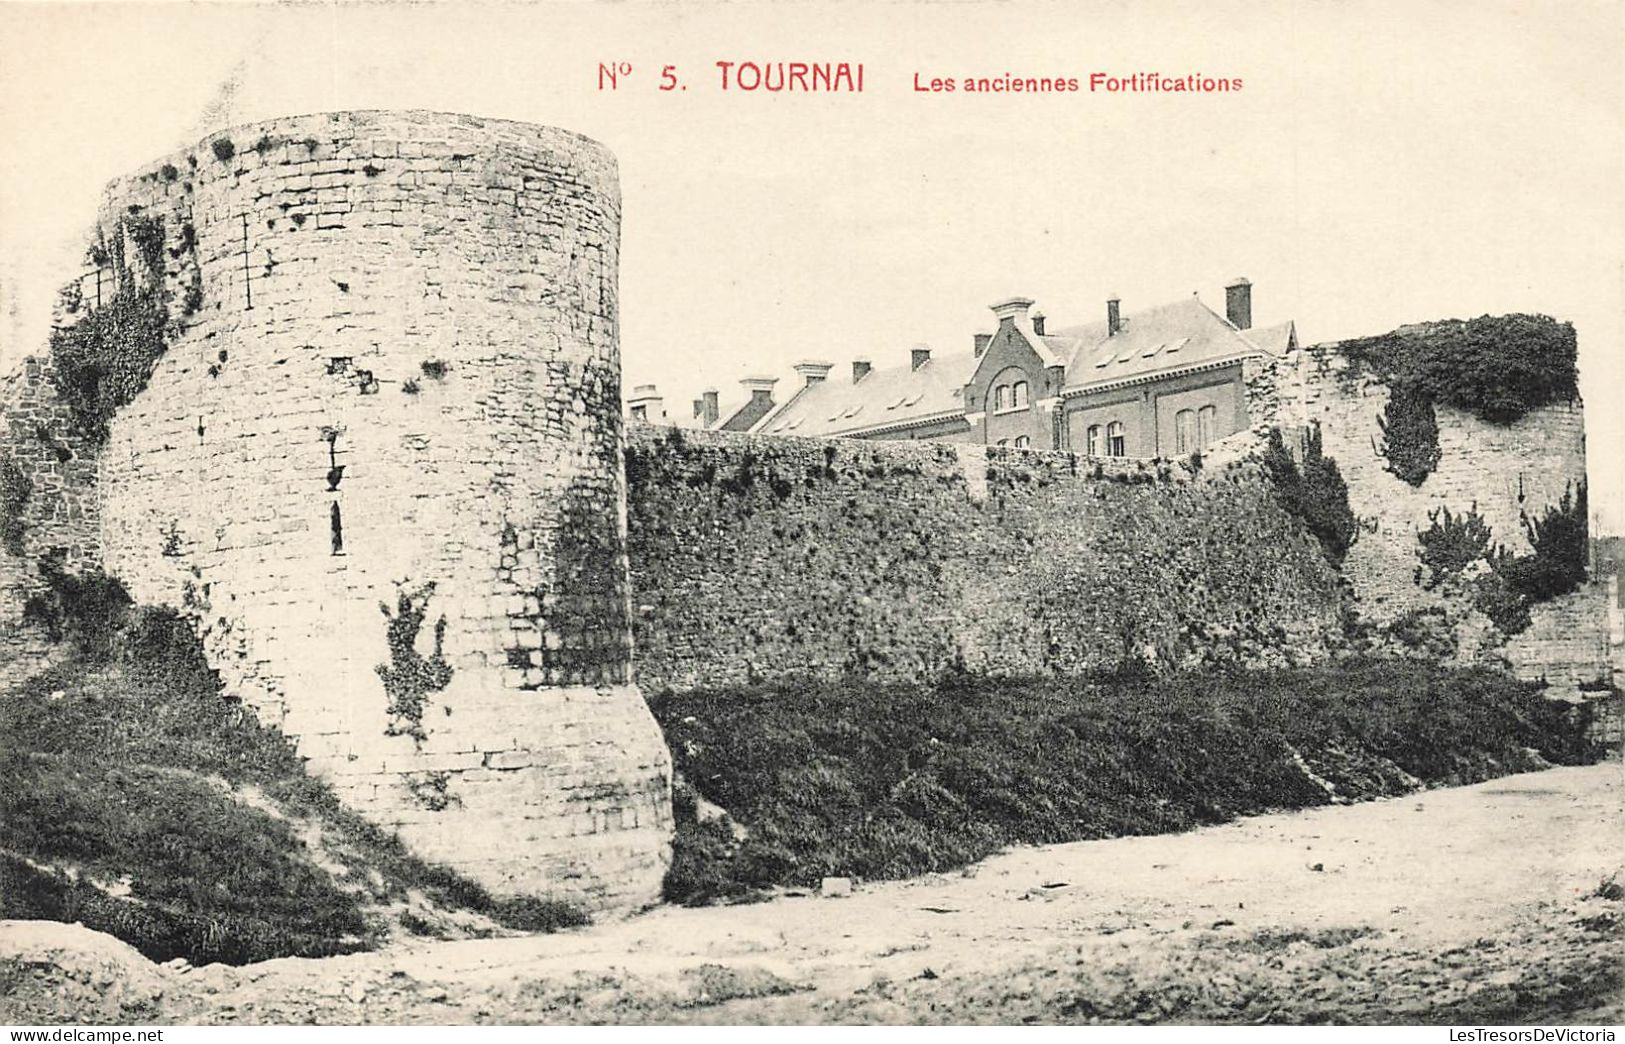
(1316, 493)
(1497, 368)
(105, 358)
(410, 677)
(1410, 434)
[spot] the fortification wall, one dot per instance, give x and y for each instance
(393, 364)
(53, 471)
(755, 556)
(1505, 470)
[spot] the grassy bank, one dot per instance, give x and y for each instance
(141, 802)
(850, 778)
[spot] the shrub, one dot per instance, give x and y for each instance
(1496, 598)
(84, 610)
(1561, 542)
(1451, 543)
(1316, 493)
(224, 149)
(1556, 566)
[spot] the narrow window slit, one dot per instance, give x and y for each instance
(338, 530)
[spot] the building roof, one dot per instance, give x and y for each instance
(1165, 339)
(1176, 336)
(884, 397)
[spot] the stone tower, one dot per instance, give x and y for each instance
(379, 463)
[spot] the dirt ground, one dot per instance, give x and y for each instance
(1466, 906)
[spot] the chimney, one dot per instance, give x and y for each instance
(699, 408)
(1011, 309)
(760, 389)
(645, 403)
(981, 342)
(1238, 304)
(812, 372)
(1038, 323)
(710, 411)
(860, 368)
(919, 355)
(1114, 318)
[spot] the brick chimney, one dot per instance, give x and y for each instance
(760, 389)
(812, 372)
(710, 411)
(860, 369)
(1011, 309)
(1238, 304)
(1114, 317)
(1038, 323)
(981, 342)
(919, 355)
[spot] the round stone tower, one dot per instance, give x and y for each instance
(379, 463)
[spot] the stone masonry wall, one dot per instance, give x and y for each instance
(1505, 470)
(397, 367)
(60, 512)
(59, 516)
(766, 555)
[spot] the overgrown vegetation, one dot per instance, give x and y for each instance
(140, 801)
(853, 778)
(1452, 542)
(104, 359)
(1497, 368)
(410, 677)
(1555, 565)
(16, 488)
(1410, 435)
(1315, 492)
(83, 610)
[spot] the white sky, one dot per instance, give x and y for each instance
(1385, 163)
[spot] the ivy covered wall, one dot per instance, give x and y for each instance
(763, 555)
(1480, 419)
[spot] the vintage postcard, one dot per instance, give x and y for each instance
(975, 513)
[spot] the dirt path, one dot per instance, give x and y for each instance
(1475, 904)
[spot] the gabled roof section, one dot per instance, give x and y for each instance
(883, 398)
(1277, 340)
(1173, 336)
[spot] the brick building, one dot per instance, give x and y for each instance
(1163, 381)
